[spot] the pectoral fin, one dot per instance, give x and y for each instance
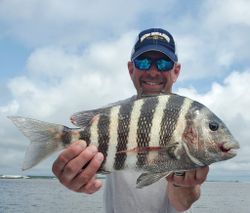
(146, 179)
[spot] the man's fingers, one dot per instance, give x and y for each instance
(179, 179)
(92, 186)
(86, 175)
(68, 154)
(190, 178)
(93, 166)
(201, 174)
(75, 165)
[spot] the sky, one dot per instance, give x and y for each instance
(59, 57)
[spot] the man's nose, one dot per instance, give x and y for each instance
(153, 70)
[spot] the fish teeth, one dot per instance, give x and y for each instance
(232, 152)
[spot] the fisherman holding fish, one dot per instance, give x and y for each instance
(154, 50)
(156, 146)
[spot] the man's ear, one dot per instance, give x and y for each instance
(130, 67)
(176, 72)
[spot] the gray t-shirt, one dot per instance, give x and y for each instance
(122, 196)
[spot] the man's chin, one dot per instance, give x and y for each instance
(150, 93)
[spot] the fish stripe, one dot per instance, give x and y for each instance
(103, 132)
(133, 126)
(170, 118)
(144, 128)
(181, 121)
(94, 129)
(123, 131)
(156, 125)
(66, 136)
(113, 140)
(85, 135)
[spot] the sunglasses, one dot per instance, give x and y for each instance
(162, 64)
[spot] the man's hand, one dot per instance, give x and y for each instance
(76, 167)
(184, 190)
(190, 178)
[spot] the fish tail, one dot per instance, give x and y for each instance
(45, 139)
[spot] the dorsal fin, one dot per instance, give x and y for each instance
(84, 118)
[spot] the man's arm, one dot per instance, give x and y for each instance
(183, 191)
(76, 167)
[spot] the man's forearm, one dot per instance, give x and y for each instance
(181, 198)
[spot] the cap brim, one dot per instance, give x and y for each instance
(158, 48)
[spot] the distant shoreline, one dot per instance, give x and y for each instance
(35, 177)
(15, 177)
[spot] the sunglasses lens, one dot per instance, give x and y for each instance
(164, 65)
(142, 64)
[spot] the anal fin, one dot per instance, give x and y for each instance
(148, 178)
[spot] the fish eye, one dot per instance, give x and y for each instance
(213, 126)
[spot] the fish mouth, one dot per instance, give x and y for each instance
(229, 148)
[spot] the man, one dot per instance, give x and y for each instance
(153, 68)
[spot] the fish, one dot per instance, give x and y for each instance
(156, 135)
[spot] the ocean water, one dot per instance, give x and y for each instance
(48, 195)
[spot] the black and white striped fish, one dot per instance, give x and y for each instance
(158, 135)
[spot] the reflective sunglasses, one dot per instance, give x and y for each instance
(162, 64)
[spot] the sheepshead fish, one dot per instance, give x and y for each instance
(157, 135)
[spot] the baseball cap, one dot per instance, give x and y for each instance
(155, 39)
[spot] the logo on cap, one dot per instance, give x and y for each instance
(155, 36)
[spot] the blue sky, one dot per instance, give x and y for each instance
(58, 57)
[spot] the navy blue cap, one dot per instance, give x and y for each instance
(155, 39)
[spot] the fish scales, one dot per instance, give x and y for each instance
(144, 126)
(172, 114)
(113, 136)
(123, 131)
(85, 135)
(156, 126)
(94, 137)
(170, 119)
(132, 134)
(103, 134)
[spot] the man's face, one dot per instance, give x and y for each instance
(153, 82)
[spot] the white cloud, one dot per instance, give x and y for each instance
(213, 39)
(227, 12)
(10, 108)
(73, 22)
(58, 78)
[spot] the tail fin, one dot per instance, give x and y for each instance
(45, 139)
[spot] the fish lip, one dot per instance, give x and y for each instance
(229, 147)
